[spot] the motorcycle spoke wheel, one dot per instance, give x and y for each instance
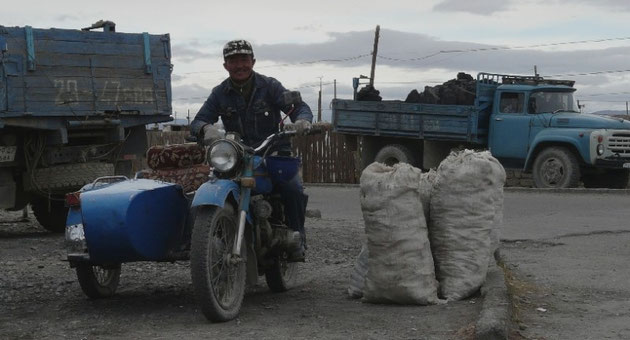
(218, 279)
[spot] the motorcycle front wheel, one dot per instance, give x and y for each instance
(218, 280)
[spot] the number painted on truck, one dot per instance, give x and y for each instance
(113, 93)
(67, 92)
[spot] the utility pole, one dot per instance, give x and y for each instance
(626, 108)
(188, 118)
(319, 101)
(374, 52)
(335, 89)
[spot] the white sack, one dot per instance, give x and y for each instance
(400, 265)
(463, 207)
(357, 278)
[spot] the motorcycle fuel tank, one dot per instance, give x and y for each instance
(133, 220)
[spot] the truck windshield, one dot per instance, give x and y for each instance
(551, 102)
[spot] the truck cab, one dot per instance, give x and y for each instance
(536, 124)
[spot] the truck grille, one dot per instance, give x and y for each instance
(619, 143)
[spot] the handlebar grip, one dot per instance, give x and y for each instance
(190, 138)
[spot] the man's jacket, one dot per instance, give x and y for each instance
(255, 120)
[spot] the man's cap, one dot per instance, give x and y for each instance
(237, 47)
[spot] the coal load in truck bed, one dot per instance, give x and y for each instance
(459, 91)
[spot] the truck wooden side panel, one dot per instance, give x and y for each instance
(410, 120)
(59, 72)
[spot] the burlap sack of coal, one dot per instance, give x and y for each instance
(463, 209)
(357, 277)
(400, 265)
(426, 186)
(497, 224)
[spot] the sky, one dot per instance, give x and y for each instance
(305, 44)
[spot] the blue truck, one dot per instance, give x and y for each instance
(527, 122)
(73, 107)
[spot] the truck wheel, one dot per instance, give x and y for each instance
(96, 281)
(556, 167)
(395, 153)
(611, 179)
(50, 213)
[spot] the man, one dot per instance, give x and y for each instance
(249, 103)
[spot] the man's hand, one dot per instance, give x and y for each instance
(301, 126)
(211, 133)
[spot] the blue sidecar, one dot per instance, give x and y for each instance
(116, 220)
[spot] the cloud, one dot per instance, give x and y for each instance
(480, 7)
(615, 4)
(190, 52)
(190, 94)
(66, 17)
(422, 52)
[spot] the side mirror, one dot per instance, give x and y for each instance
(292, 98)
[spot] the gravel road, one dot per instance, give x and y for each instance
(40, 297)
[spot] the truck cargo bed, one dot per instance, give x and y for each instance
(61, 72)
(400, 119)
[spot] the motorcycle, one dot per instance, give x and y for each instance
(232, 228)
(240, 229)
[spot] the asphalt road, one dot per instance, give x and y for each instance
(567, 253)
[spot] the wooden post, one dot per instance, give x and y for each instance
(374, 52)
(319, 101)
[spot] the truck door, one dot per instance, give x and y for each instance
(509, 129)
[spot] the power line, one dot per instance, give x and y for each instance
(587, 73)
(501, 48)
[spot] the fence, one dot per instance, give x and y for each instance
(326, 158)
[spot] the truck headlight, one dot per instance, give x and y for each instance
(223, 156)
(600, 149)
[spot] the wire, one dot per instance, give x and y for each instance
(587, 73)
(502, 48)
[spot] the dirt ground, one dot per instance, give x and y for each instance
(40, 297)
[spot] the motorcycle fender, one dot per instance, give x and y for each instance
(215, 193)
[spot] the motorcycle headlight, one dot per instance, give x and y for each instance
(223, 156)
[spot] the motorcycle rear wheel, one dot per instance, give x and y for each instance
(218, 283)
(282, 275)
(98, 282)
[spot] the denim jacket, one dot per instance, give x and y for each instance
(254, 122)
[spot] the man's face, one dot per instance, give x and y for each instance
(239, 66)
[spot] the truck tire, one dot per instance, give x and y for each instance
(70, 176)
(611, 179)
(556, 167)
(395, 153)
(50, 213)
